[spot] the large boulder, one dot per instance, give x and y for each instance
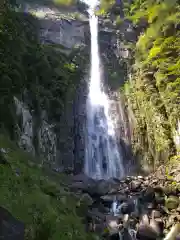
(103, 187)
(82, 182)
(10, 227)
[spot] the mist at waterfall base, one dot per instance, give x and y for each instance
(103, 159)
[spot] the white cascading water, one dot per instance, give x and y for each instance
(103, 159)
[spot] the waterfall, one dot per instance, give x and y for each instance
(103, 159)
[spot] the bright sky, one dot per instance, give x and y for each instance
(92, 3)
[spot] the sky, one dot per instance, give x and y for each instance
(92, 3)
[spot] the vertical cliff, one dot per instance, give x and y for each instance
(150, 33)
(45, 80)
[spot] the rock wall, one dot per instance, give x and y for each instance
(58, 144)
(115, 56)
(38, 139)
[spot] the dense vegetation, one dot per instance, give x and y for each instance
(46, 74)
(154, 91)
(38, 197)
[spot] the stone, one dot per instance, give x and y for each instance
(10, 227)
(3, 159)
(126, 208)
(111, 198)
(135, 185)
(177, 178)
(148, 195)
(86, 199)
(146, 232)
(112, 223)
(170, 190)
(172, 202)
(157, 225)
(156, 214)
(102, 187)
(95, 214)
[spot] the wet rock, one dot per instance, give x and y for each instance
(156, 214)
(146, 232)
(177, 178)
(83, 183)
(102, 187)
(127, 208)
(135, 185)
(112, 223)
(172, 202)
(111, 198)
(171, 220)
(148, 195)
(159, 198)
(10, 227)
(85, 198)
(157, 225)
(114, 236)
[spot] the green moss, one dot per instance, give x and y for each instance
(37, 198)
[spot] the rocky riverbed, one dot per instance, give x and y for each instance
(136, 207)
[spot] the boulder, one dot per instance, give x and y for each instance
(135, 185)
(112, 223)
(145, 232)
(10, 227)
(148, 195)
(127, 207)
(102, 187)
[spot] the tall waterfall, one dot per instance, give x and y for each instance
(103, 159)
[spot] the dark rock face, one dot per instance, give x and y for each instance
(79, 127)
(115, 57)
(10, 228)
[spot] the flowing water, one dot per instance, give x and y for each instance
(103, 159)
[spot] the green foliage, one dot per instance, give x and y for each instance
(153, 93)
(45, 72)
(39, 200)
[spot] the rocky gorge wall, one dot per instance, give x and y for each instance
(61, 143)
(57, 142)
(44, 111)
(151, 87)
